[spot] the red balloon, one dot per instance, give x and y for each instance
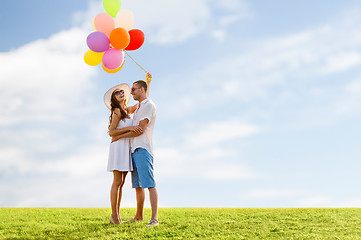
(136, 39)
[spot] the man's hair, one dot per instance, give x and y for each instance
(142, 84)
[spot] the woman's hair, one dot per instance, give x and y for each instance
(115, 104)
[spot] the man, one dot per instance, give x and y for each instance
(142, 152)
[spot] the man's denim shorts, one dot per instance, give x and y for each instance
(142, 176)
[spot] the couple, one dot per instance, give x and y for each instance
(131, 146)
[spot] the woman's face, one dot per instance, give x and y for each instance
(119, 95)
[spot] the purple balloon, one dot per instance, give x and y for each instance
(98, 42)
(113, 58)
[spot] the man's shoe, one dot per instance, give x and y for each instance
(153, 223)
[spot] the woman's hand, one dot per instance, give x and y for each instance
(114, 139)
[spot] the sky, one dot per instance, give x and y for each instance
(258, 103)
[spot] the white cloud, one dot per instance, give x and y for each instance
(278, 61)
(288, 74)
(200, 164)
(281, 197)
(219, 34)
(229, 171)
(231, 4)
(45, 100)
(347, 103)
(84, 19)
(85, 161)
(341, 61)
(273, 193)
(317, 201)
(44, 83)
(353, 87)
(11, 158)
(214, 133)
(352, 202)
(198, 153)
(41, 80)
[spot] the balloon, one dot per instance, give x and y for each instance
(119, 38)
(93, 24)
(93, 58)
(112, 6)
(113, 58)
(125, 19)
(104, 23)
(98, 42)
(136, 39)
(113, 70)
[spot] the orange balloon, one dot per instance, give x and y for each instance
(113, 70)
(119, 38)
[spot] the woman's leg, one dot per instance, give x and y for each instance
(123, 176)
(117, 180)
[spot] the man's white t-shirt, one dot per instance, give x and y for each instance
(146, 110)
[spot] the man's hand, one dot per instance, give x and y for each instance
(136, 129)
(148, 78)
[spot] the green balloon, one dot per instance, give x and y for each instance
(112, 7)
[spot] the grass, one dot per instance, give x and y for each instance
(182, 223)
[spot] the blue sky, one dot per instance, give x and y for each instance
(258, 103)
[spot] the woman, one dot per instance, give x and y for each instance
(119, 161)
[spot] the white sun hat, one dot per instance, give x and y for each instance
(107, 96)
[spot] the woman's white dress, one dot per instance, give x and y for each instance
(119, 152)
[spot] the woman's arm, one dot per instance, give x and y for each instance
(115, 119)
(131, 110)
(113, 131)
(140, 129)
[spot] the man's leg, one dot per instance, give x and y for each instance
(153, 196)
(140, 203)
(139, 191)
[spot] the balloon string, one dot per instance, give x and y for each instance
(135, 62)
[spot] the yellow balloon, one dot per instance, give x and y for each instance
(113, 70)
(94, 24)
(93, 58)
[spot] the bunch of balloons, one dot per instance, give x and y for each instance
(112, 37)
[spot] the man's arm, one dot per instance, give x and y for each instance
(142, 125)
(148, 79)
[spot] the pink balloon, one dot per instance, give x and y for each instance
(113, 58)
(98, 42)
(104, 23)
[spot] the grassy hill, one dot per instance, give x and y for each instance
(182, 223)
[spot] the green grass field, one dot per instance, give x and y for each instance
(182, 223)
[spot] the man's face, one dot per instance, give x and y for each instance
(135, 91)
